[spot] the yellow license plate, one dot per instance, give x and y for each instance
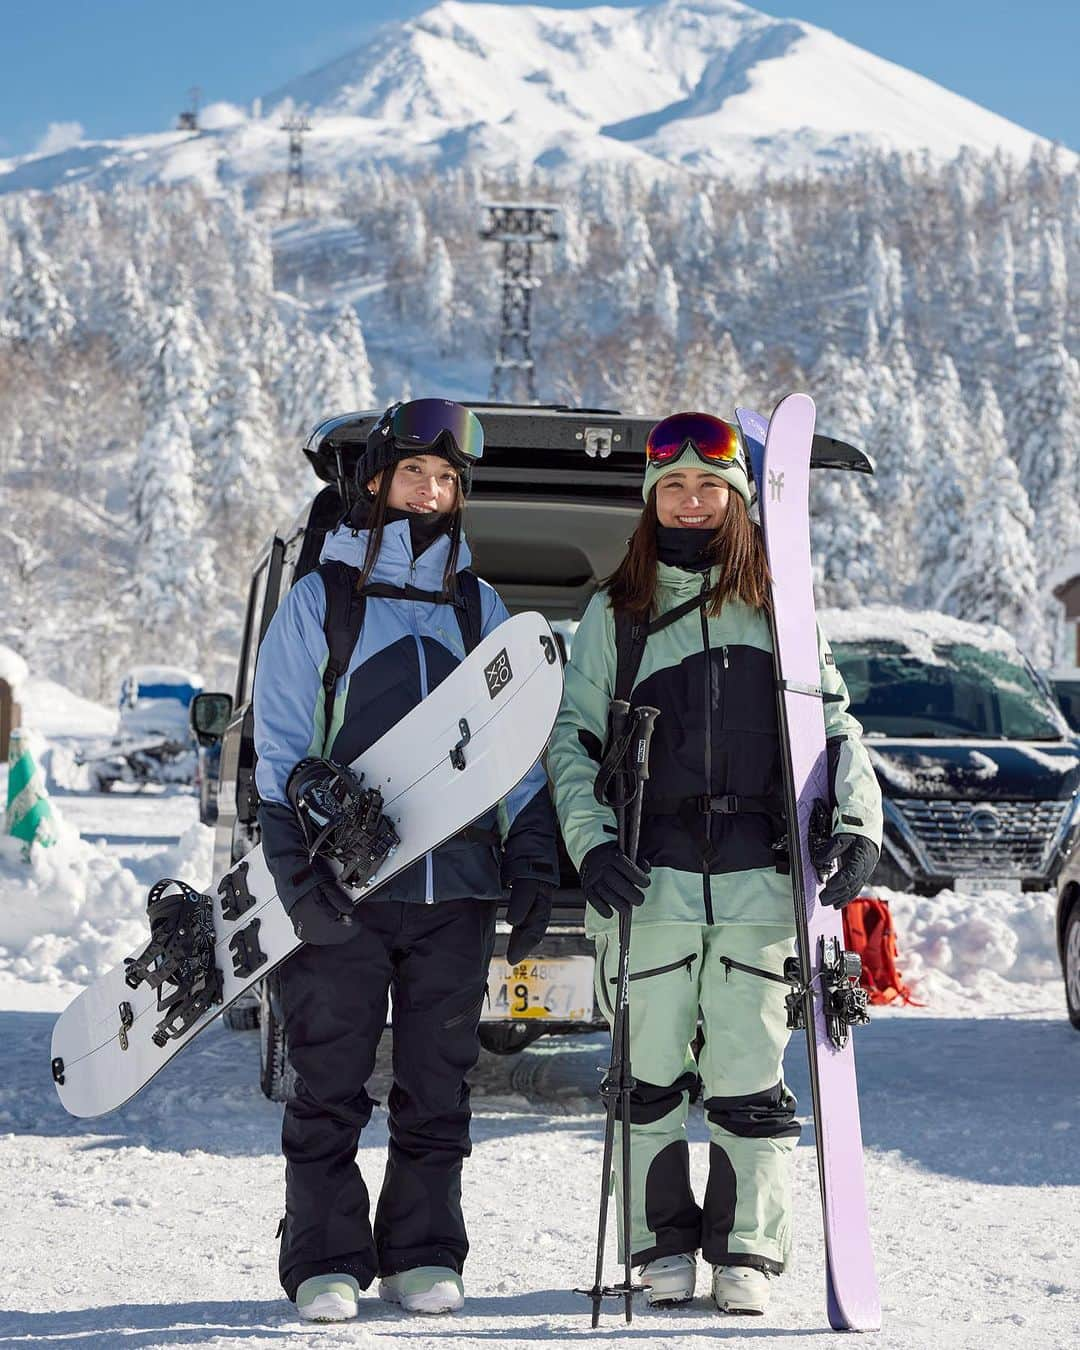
(560, 988)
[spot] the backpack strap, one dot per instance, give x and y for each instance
(469, 613)
(344, 618)
(631, 635)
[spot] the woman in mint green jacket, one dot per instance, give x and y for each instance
(711, 879)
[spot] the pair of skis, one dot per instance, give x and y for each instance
(824, 997)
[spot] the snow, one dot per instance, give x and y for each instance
(13, 671)
(918, 631)
(710, 86)
(155, 1225)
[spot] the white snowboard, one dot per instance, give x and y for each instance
(495, 711)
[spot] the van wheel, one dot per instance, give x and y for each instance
(1072, 964)
(276, 1076)
(508, 1038)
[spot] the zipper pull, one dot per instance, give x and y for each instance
(727, 663)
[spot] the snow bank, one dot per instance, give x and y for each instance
(73, 911)
(991, 953)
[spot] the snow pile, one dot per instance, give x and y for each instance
(964, 953)
(74, 910)
(67, 914)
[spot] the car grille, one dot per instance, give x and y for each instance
(995, 839)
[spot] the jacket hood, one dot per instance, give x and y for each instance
(395, 565)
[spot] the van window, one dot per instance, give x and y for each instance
(262, 603)
(965, 692)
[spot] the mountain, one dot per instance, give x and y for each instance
(711, 86)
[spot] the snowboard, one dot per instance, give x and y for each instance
(445, 764)
(780, 457)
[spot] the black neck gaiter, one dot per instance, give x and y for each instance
(424, 529)
(685, 548)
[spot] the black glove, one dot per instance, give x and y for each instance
(611, 881)
(527, 914)
(858, 857)
(324, 915)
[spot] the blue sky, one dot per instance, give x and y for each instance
(115, 66)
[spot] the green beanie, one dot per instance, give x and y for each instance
(733, 473)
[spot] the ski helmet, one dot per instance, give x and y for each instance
(435, 426)
(700, 441)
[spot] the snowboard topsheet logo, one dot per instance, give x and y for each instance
(498, 673)
(776, 485)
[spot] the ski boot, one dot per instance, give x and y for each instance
(740, 1289)
(328, 1298)
(669, 1279)
(426, 1289)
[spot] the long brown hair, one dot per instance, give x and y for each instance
(375, 524)
(736, 549)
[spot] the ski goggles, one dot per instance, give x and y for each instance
(428, 422)
(711, 439)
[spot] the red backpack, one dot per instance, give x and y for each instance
(868, 930)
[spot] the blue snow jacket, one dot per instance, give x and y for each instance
(405, 649)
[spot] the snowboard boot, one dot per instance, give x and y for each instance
(427, 1289)
(328, 1298)
(669, 1279)
(740, 1289)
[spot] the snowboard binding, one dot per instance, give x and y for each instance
(341, 819)
(178, 962)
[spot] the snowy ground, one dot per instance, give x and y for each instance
(154, 1227)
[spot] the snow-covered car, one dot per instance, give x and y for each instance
(979, 771)
(553, 502)
(153, 741)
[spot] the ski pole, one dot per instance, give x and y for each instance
(618, 1082)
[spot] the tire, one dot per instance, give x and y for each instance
(243, 1015)
(1070, 960)
(508, 1038)
(276, 1076)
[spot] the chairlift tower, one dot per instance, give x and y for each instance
(296, 126)
(189, 118)
(518, 227)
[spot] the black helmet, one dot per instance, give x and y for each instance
(424, 425)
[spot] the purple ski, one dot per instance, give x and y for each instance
(780, 455)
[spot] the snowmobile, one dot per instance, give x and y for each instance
(153, 742)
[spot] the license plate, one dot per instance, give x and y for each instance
(560, 988)
(983, 885)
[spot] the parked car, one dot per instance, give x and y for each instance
(554, 500)
(153, 742)
(979, 771)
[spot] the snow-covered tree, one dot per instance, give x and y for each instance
(439, 293)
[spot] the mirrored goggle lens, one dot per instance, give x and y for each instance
(423, 421)
(713, 439)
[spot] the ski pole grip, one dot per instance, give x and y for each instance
(641, 739)
(618, 718)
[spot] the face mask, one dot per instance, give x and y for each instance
(683, 548)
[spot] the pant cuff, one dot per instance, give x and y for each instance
(671, 1246)
(751, 1259)
(359, 1267)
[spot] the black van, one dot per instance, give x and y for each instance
(979, 771)
(553, 502)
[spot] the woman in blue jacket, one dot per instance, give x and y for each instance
(428, 934)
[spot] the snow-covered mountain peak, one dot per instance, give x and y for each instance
(712, 86)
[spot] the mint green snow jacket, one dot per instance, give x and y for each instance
(717, 734)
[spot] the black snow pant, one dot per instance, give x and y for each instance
(434, 959)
